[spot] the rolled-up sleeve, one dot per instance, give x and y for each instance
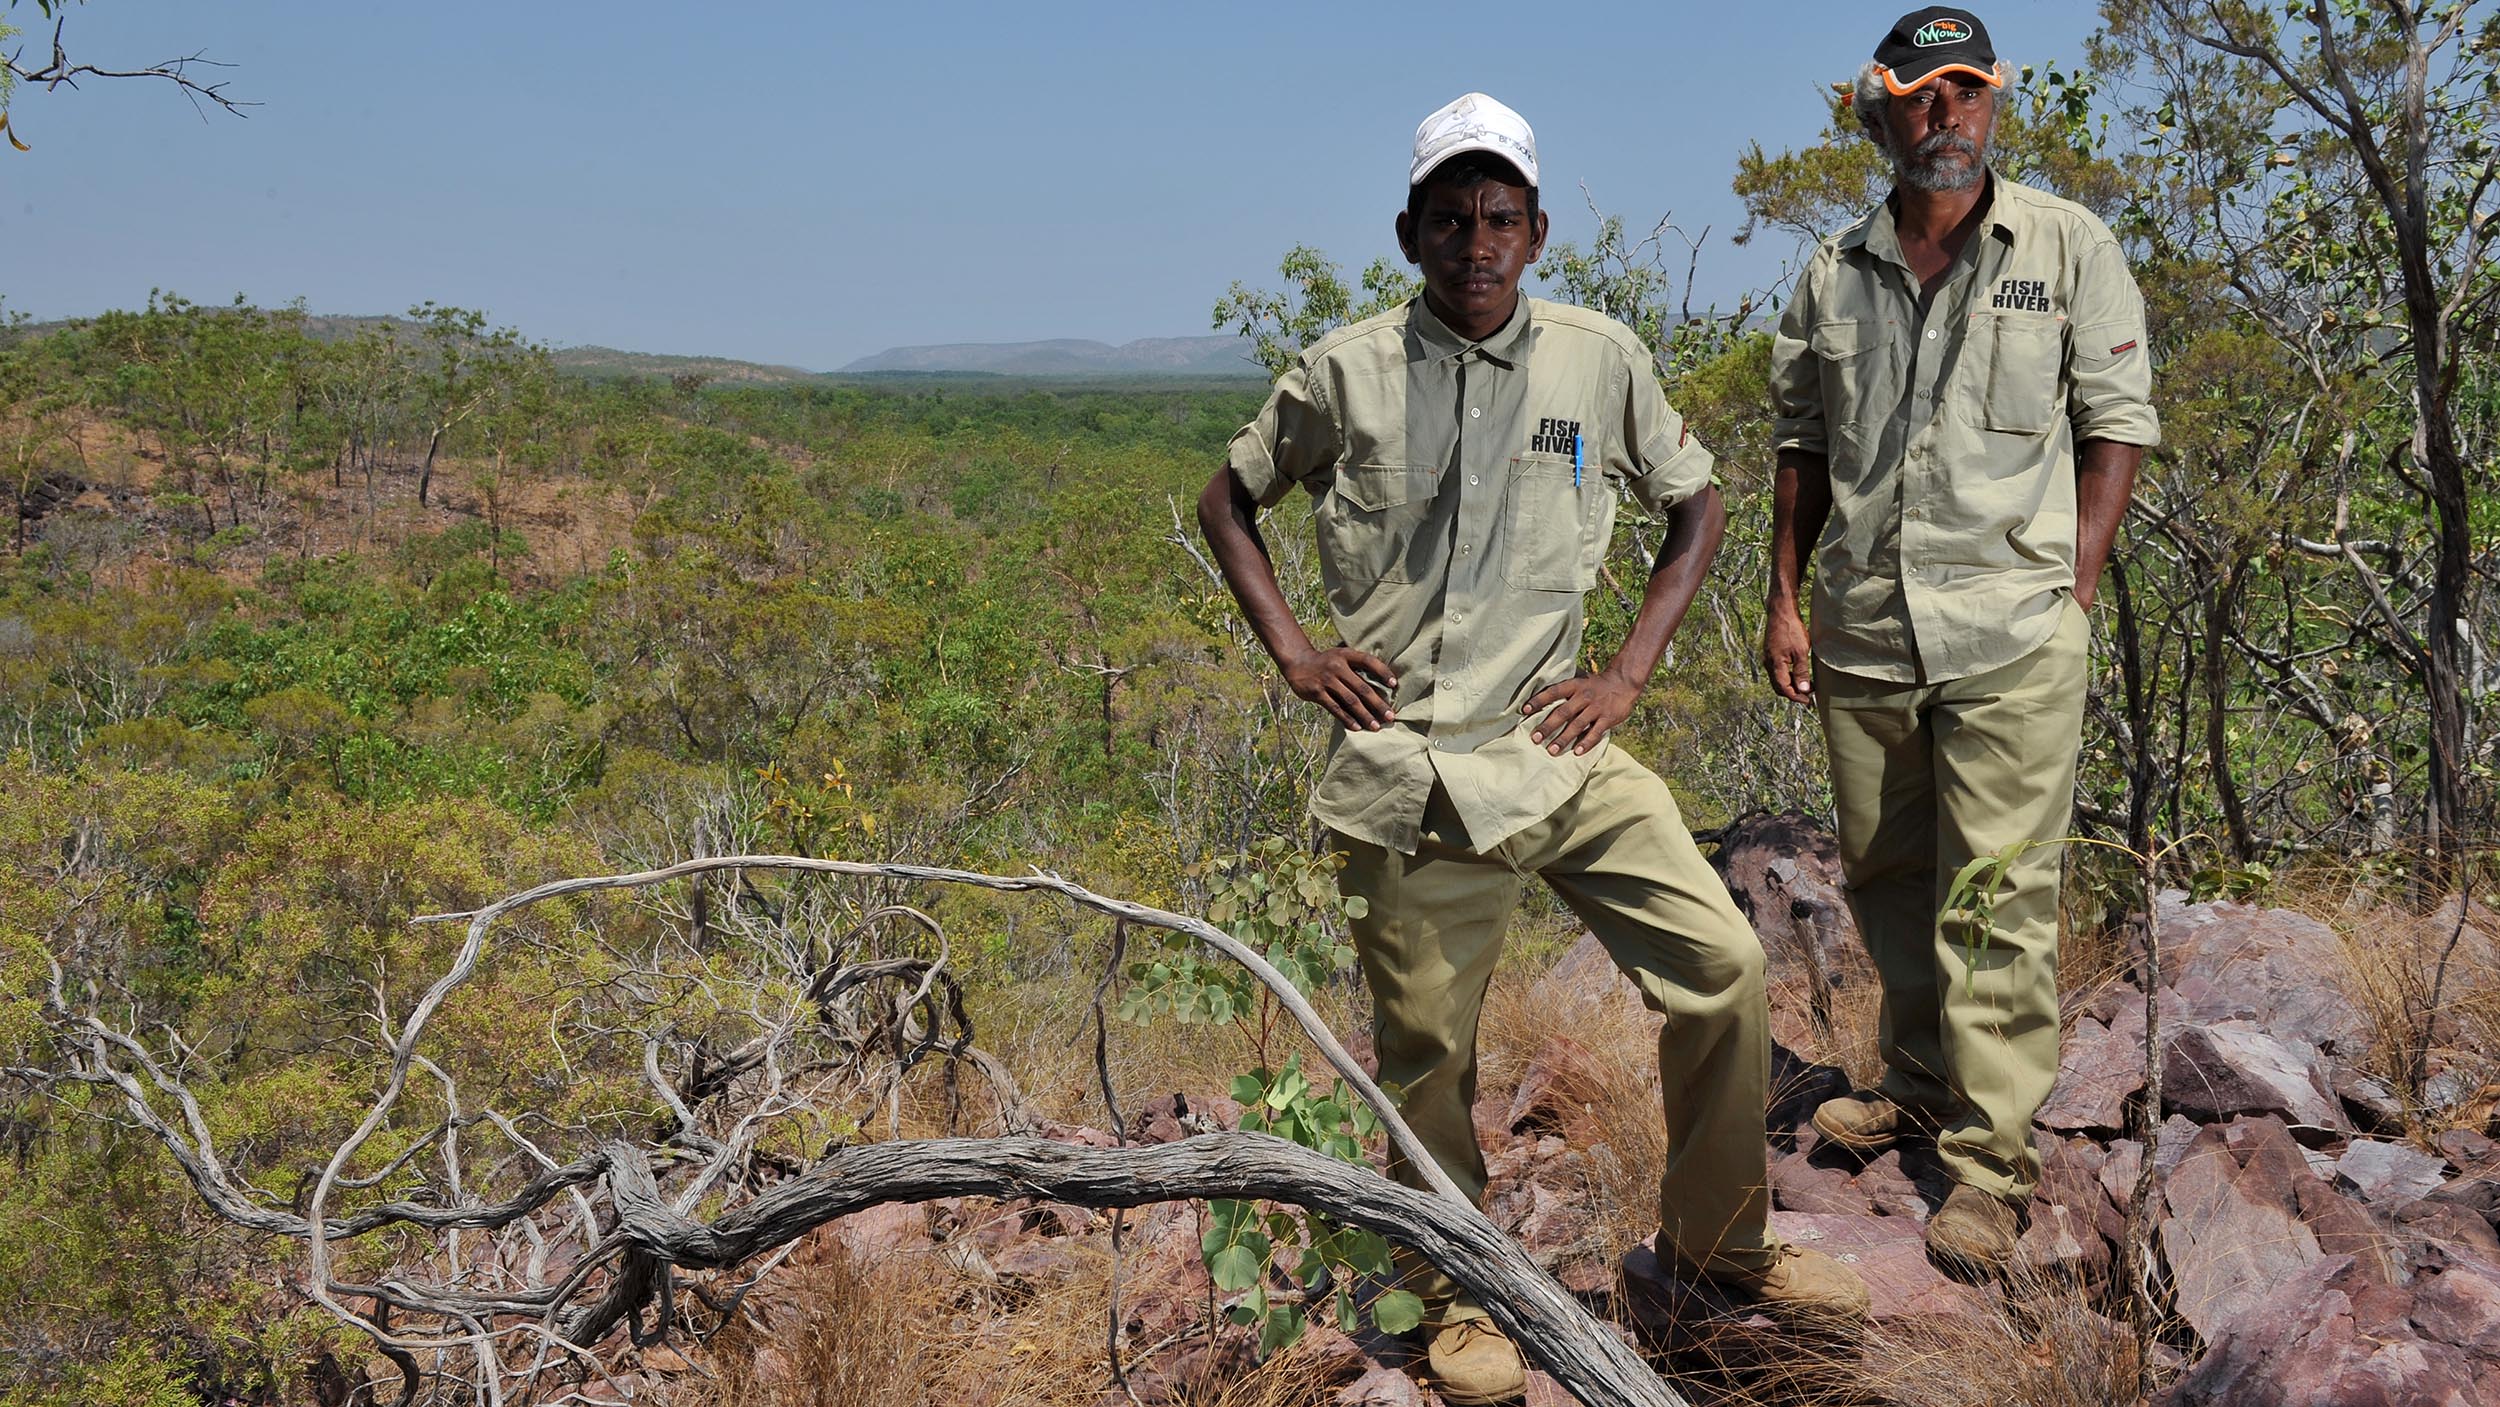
(1667, 465)
(2109, 369)
(1796, 378)
(1293, 438)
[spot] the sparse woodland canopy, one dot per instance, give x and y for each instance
(311, 628)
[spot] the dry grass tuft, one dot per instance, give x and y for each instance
(2045, 1343)
(1622, 1132)
(2393, 971)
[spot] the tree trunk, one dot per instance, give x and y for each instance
(2221, 603)
(1550, 1326)
(425, 476)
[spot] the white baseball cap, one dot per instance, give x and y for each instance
(1473, 122)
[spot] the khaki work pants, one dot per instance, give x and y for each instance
(1618, 854)
(1927, 777)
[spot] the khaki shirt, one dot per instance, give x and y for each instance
(1951, 433)
(1456, 536)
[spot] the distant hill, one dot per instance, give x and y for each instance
(601, 363)
(1167, 356)
(1065, 359)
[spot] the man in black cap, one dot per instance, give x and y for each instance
(1961, 389)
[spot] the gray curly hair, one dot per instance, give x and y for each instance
(1871, 98)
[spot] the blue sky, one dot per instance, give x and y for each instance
(810, 183)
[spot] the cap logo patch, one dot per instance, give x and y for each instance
(1936, 32)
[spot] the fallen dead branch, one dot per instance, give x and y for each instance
(630, 1215)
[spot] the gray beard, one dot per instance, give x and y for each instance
(1921, 171)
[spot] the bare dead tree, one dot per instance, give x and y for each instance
(59, 72)
(551, 1240)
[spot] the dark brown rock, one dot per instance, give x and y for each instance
(1798, 1086)
(2387, 1172)
(2232, 1230)
(2213, 1073)
(1172, 1117)
(1886, 1184)
(2284, 969)
(1890, 1253)
(1188, 1370)
(2100, 1066)
(2330, 1335)
(2447, 1224)
(1800, 1183)
(878, 1232)
(2465, 1150)
(2072, 1223)
(1382, 1387)
(1555, 1092)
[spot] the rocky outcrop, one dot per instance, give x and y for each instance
(2309, 1253)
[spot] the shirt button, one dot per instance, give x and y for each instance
(1931, 334)
(1473, 479)
(1466, 547)
(1457, 619)
(1476, 412)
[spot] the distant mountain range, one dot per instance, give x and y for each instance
(1153, 358)
(1066, 356)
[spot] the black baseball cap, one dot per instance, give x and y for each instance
(1938, 39)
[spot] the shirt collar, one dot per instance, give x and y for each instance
(1438, 343)
(1877, 233)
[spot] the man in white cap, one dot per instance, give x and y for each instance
(1464, 454)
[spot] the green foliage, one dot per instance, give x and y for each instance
(1283, 902)
(1315, 302)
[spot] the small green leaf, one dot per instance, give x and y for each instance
(1289, 1087)
(1282, 1329)
(1398, 1311)
(1236, 1267)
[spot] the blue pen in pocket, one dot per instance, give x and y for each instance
(1575, 460)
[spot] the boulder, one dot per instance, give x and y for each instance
(2388, 1172)
(1784, 873)
(1798, 1086)
(2451, 1225)
(2332, 1335)
(1585, 975)
(1172, 1117)
(2282, 971)
(1383, 1387)
(1554, 1094)
(2231, 1227)
(2218, 1072)
(1802, 1183)
(1890, 1252)
(2100, 1067)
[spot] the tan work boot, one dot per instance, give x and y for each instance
(1974, 1231)
(1799, 1286)
(1862, 1123)
(1472, 1362)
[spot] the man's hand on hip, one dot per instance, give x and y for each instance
(1348, 683)
(1787, 656)
(1586, 709)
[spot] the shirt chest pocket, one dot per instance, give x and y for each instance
(1555, 523)
(1367, 523)
(2025, 358)
(1847, 351)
